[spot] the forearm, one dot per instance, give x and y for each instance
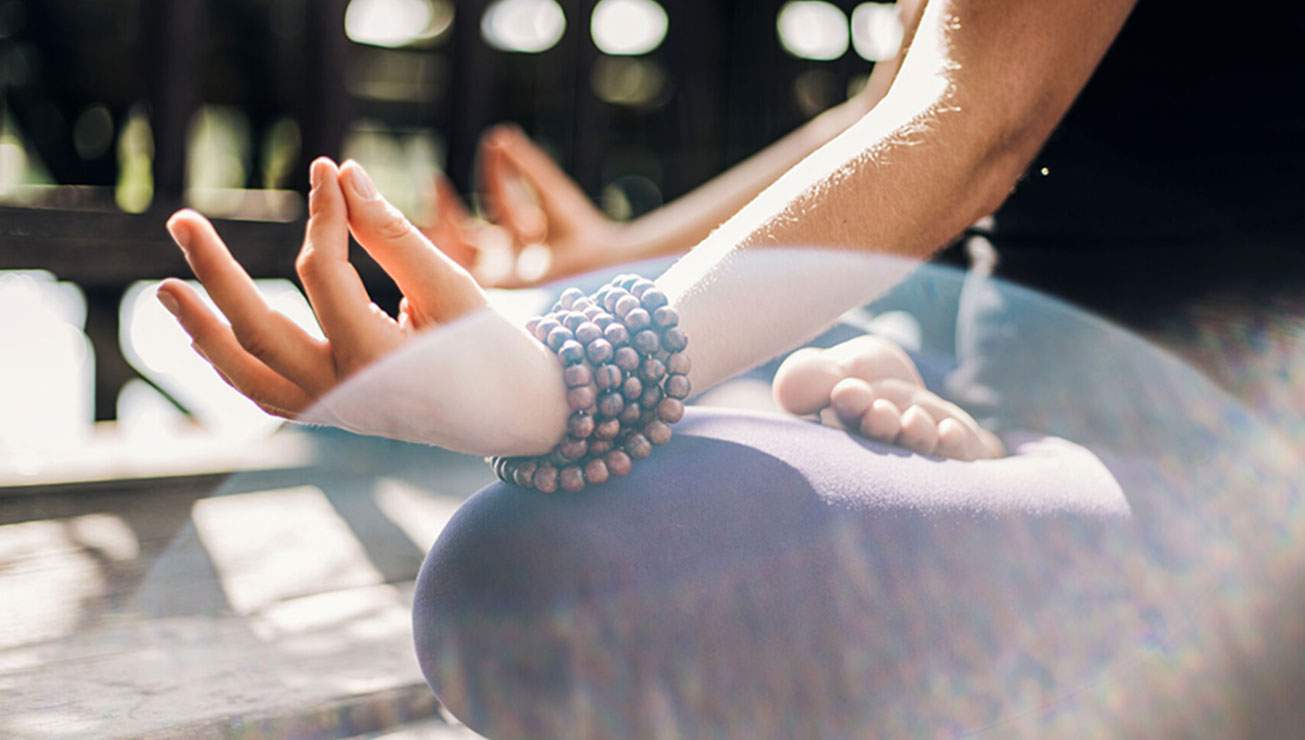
(980, 89)
(679, 225)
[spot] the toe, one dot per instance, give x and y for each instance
(919, 431)
(851, 398)
(992, 446)
(805, 380)
(957, 441)
(882, 421)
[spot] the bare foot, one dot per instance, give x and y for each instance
(870, 385)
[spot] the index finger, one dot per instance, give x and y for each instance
(266, 334)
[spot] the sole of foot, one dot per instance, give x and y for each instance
(870, 386)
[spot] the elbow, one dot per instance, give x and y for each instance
(1006, 155)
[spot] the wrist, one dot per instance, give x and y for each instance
(625, 375)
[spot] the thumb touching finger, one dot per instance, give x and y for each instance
(508, 194)
(437, 287)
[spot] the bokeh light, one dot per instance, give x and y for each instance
(93, 132)
(639, 83)
(812, 29)
(876, 31)
(395, 23)
(523, 26)
(217, 158)
(135, 188)
(628, 26)
(47, 376)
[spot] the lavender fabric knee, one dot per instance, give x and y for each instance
(763, 576)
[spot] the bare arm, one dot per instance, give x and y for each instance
(582, 238)
(679, 225)
(981, 87)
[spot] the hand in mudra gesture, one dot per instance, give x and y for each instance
(529, 202)
(473, 396)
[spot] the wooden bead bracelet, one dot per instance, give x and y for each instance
(626, 376)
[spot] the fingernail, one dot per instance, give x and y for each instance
(180, 234)
(169, 302)
(361, 183)
(316, 172)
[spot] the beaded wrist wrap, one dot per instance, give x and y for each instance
(626, 375)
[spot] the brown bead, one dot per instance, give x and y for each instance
(665, 317)
(571, 353)
(580, 425)
(557, 459)
(582, 304)
(574, 320)
(599, 350)
(593, 312)
(641, 286)
(678, 364)
(677, 386)
(638, 447)
(637, 320)
(581, 398)
(607, 429)
(607, 377)
(587, 331)
(604, 320)
(558, 337)
(611, 404)
(627, 280)
(574, 449)
(653, 299)
(627, 359)
(675, 339)
(630, 414)
(670, 410)
(646, 341)
(572, 479)
(658, 432)
(652, 370)
(632, 388)
(619, 464)
(613, 298)
(570, 296)
(652, 395)
(497, 466)
(617, 334)
(533, 324)
(544, 328)
(600, 447)
(545, 478)
(624, 305)
(596, 472)
(525, 474)
(577, 375)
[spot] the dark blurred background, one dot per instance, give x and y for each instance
(113, 113)
(92, 89)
